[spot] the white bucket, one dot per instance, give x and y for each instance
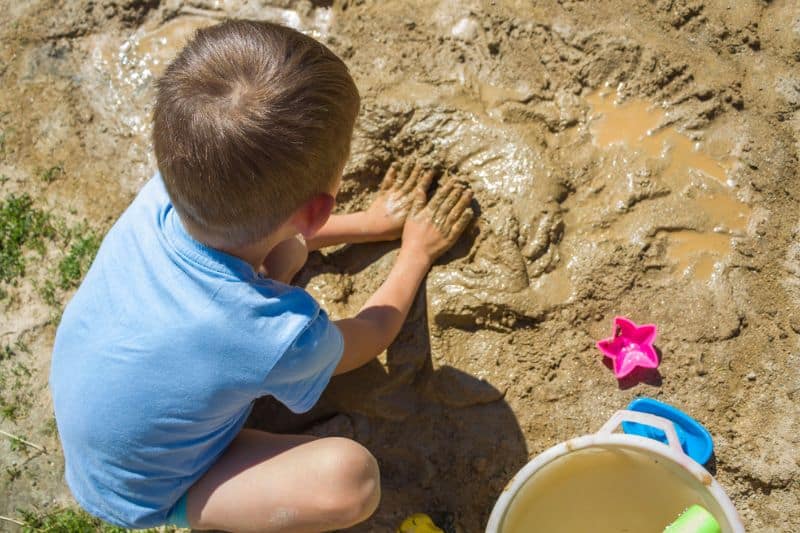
(610, 482)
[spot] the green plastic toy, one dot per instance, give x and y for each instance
(695, 519)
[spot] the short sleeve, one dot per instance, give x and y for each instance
(304, 370)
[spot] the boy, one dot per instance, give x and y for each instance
(185, 317)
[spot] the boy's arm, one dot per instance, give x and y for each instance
(429, 231)
(383, 220)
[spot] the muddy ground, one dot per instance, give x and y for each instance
(497, 361)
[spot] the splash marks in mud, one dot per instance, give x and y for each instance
(133, 66)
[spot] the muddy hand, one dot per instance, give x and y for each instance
(432, 228)
(394, 200)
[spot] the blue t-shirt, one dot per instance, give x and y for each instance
(160, 354)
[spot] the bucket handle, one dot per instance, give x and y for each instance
(647, 419)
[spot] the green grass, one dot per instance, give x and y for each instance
(67, 520)
(16, 445)
(21, 226)
(16, 398)
(15, 395)
(51, 174)
(25, 228)
(84, 246)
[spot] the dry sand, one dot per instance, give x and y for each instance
(694, 228)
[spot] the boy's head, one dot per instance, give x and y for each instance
(251, 120)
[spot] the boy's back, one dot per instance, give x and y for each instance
(160, 354)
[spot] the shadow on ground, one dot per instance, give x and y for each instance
(446, 441)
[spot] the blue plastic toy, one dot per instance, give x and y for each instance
(695, 439)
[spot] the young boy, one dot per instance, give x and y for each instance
(185, 316)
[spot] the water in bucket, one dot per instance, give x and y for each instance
(605, 490)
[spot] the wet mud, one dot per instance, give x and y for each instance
(635, 158)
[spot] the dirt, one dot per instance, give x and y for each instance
(582, 217)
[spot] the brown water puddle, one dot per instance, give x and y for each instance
(636, 124)
(697, 253)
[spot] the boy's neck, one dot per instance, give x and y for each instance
(253, 253)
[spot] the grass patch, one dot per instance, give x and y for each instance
(17, 445)
(67, 520)
(25, 228)
(21, 226)
(84, 246)
(51, 174)
(16, 398)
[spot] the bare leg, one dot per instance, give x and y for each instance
(266, 483)
(286, 259)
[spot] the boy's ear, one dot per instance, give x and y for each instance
(312, 215)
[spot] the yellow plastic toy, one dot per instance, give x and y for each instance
(418, 523)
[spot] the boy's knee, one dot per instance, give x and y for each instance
(354, 481)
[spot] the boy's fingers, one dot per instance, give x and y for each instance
(425, 181)
(418, 204)
(461, 224)
(458, 209)
(449, 202)
(440, 195)
(389, 178)
(411, 182)
(402, 177)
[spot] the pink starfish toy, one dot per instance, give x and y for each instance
(631, 346)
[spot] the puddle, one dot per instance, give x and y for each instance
(635, 124)
(697, 253)
(686, 168)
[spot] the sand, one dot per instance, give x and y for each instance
(628, 158)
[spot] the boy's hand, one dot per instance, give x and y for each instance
(393, 203)
(432, 229)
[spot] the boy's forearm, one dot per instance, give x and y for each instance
(374, 328)
(351, 228)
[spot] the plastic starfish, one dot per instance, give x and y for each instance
(631, 346)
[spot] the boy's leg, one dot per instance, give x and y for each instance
(266, 482)
(286, 259)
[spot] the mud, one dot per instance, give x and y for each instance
(635, 158)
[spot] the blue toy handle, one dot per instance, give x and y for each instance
(695, 440)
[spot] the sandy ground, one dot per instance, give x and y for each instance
(497, 361)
